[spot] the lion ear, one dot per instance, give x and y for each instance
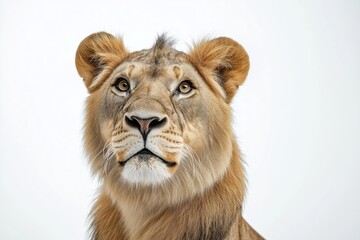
(225, 59)
(96, 57)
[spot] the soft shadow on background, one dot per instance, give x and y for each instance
(297, 117)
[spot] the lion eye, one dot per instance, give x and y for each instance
(122, 85)
(185, 87)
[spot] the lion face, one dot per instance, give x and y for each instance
(160, 117)
(152, 119)
(147, 132)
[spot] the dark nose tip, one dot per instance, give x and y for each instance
(145, 125)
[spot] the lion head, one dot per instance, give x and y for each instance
(158, 121)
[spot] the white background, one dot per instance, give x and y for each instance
(296, 117)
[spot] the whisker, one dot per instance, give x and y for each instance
(106, 155)
(192, 156)
(103, 149)
(109, 155)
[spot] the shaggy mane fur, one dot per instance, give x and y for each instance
(158, 134)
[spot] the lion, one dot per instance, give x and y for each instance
(158, 135)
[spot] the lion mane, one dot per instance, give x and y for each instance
(158, 135)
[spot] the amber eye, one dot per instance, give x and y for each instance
(122, 85)
(185, 87)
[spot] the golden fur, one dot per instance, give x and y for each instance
(191, 185)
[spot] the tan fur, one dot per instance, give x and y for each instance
(225, 59)
(198, 196)
(98, 53)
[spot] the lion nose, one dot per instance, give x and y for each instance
(145, 125)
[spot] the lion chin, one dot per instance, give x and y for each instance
(158, 134)
(145, 168)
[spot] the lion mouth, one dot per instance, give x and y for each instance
(145, 155)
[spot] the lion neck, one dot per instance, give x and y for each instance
(210, 215)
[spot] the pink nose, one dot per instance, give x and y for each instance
(145, 125)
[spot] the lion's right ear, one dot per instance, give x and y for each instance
(96, 56)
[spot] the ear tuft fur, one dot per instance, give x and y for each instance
(96, 57)
(227, 61)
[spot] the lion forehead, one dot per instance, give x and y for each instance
(170, 72)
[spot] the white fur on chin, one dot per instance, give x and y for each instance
(152, 172)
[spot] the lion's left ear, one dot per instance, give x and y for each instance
(225, 59)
